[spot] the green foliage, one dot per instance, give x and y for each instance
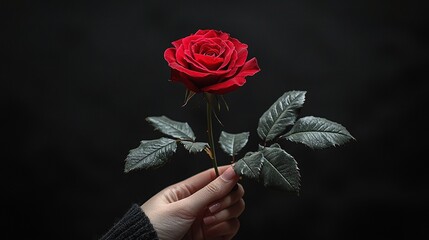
(150, 154)
(279, 170)
(179, 130)
(273, 166)
(194, 147)
(318, 133)
(155, 153)
(250, 165)
(270, 165)
(231, 144)
(281, 114)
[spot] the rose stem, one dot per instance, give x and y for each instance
(210, 133)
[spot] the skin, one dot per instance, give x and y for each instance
(201, 207)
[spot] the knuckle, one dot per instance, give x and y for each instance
(235, 223)
(212, 188)
(242, 203)
(241, 207)
(175, 193)
(241, 190)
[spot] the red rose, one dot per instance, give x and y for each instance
(210, 61)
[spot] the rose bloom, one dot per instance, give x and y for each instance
(210, 61)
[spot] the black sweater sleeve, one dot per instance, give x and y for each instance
(133, 225)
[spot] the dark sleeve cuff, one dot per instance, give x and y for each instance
(133, 225)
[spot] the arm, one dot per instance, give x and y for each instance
(133, 225)
(201, 207)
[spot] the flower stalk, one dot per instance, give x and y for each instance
(209, 98)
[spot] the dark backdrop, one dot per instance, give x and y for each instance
(79, 78)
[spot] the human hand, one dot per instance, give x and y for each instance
(200, 207)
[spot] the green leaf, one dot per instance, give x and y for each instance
(318, 133)
(281, 114)
(279, 170)
(250, 165)
(150, 154)
(194, 147)
(180, 130)
(275, 145)
(231, 144)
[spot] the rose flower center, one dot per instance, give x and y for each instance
(208, 54)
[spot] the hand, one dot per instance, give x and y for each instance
(200, 207)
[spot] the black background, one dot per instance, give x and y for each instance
(79, 78)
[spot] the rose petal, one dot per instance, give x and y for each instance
(208, 33)
(238, 45)
(206, 46)
(209, 49)
(211, 34)
(241, 49)
(177, 43)
(170, 55)
(229, 50)
(188, 71)
(189, 41)
(221, 45)
(180, 56)
(177, 76)
(250, 68)
(241, 57)
(225, 87)
(231, 72)
(202, 31)
(205, 81)
(224, 36)
(195, 65)
(210, 62)
(237, 67)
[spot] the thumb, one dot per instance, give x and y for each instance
(216, 189)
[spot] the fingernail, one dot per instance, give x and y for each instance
(213, 208)
(208, 220)
(229, 174)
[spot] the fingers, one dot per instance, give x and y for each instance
(226, 214)
(212, 192)
(198, 181)
(224, 230)
(233, 197)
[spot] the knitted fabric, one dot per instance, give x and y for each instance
(134, 225)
